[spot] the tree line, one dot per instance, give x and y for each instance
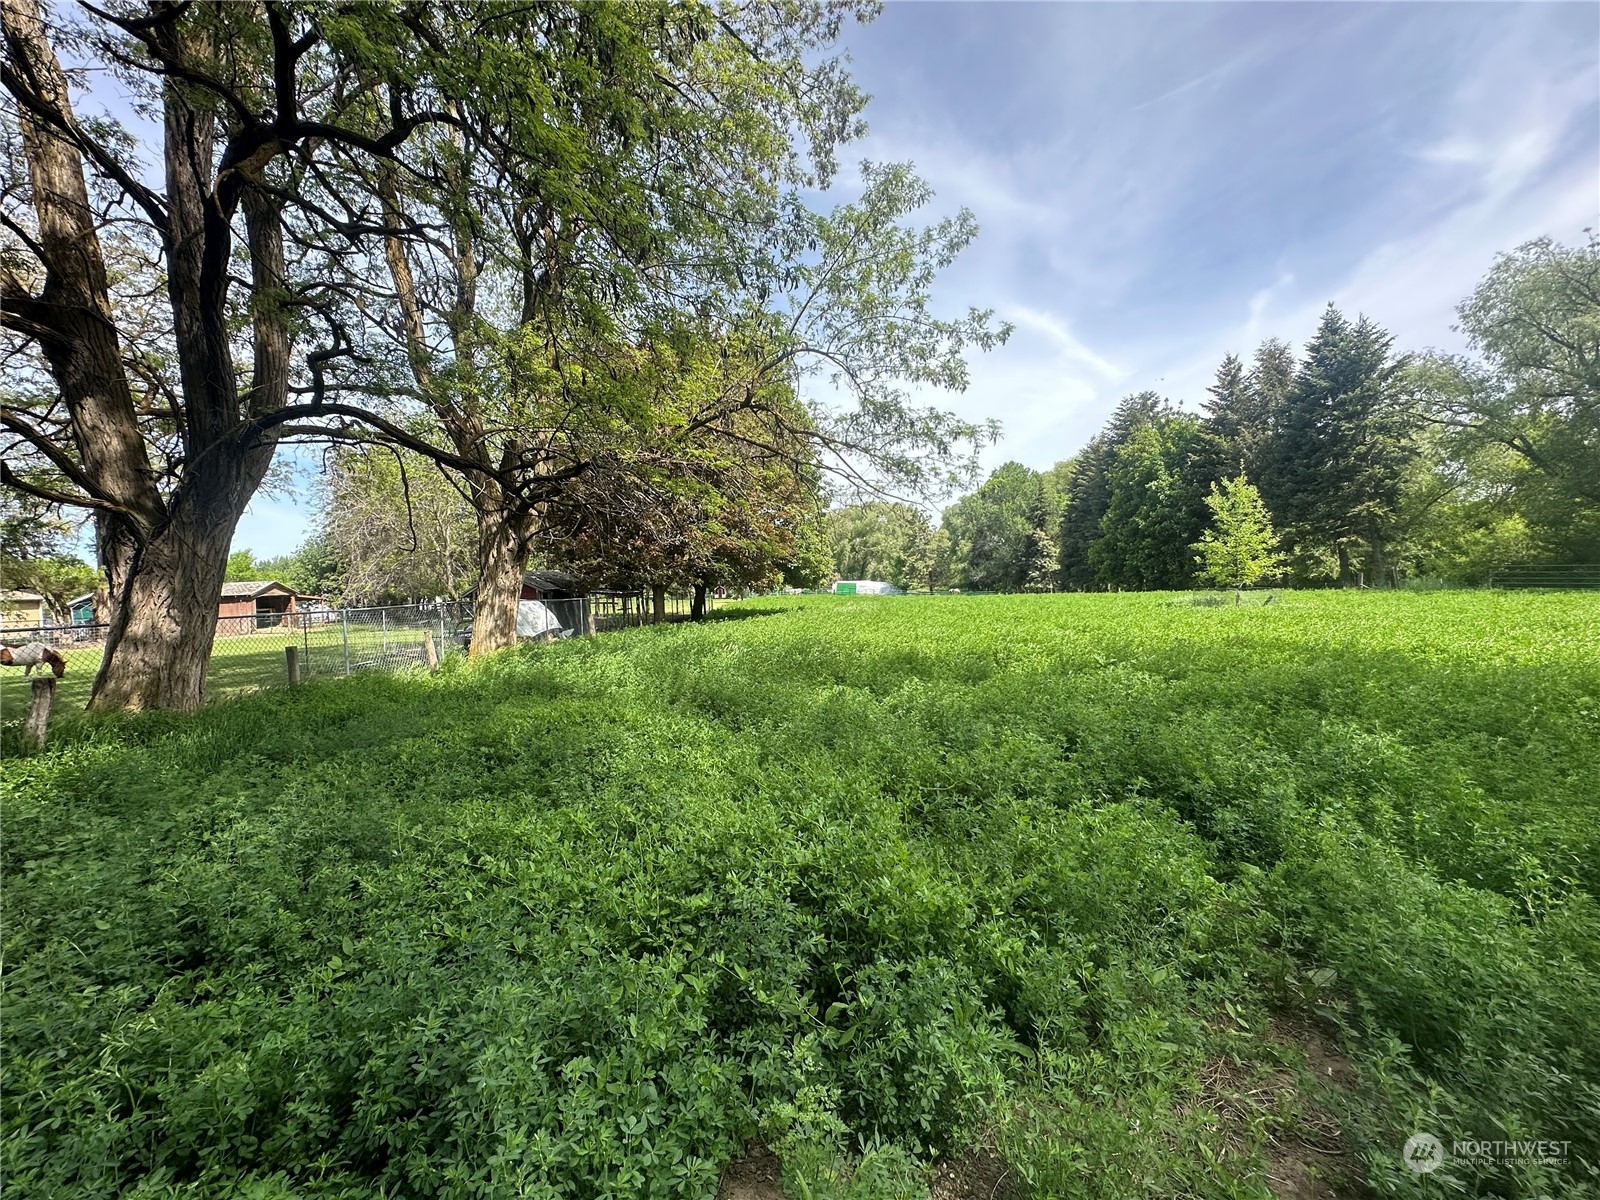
(1347, 463)
(564, 260)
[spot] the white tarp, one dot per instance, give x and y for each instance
(866, 587)
(533, 619)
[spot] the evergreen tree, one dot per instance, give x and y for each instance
(1242, 412)
(1240, 546)
(1337, 459)
(1088, 495)
(1089, 489)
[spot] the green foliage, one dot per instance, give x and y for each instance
(393, 528)
(1153, 507)
(1239, 547)
(58, 578)
(241, 567)
(1334, 469)
(882, 540)
(1089, 489)
(1535, 394)
(867, 881)
(990, 529)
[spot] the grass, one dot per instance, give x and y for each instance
(1080, 879)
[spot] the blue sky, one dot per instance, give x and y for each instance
(1161, 183)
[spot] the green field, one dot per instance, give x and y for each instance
(1077, 896)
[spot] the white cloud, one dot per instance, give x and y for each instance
(1068, 347)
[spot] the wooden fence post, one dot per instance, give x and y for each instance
(44, 695)
(291, 656)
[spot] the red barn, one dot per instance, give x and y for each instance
(249, 605)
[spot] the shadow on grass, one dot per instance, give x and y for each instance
(741, 614)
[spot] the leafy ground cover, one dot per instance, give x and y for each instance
(1099, 896)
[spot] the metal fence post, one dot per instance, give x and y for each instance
(344, 617)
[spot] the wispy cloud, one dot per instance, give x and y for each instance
(1161, 185)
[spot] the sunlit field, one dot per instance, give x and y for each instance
(1131, 896)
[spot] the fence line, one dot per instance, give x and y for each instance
(1547, 575)
(248, 653)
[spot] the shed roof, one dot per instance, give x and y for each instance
(19, 595)
(550, 581)
(244, 589)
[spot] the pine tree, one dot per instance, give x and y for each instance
(1089, 492)
(1243, 411)
(1337, 457)
(1240, 546)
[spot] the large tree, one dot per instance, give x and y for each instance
(710, 506)
(1532, 393)
(543, 186)
(394, 527)
(1089, 487)
(609, 317)
(1242, 411)
(882, 539)
(989, 530)
(1154, 509)
(184, 311)
(1337, 461)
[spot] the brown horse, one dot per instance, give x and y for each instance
(34, 654)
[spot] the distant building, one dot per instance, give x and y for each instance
(865, 587)
(80, 609)
(249, 605)
(22, 610)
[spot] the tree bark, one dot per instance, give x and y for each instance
(1346, 579)
(164, 621)
(503, 539)
(658, 602)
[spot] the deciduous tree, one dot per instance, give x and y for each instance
(1240, 546)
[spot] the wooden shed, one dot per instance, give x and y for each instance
(22, 610)
(249, 605)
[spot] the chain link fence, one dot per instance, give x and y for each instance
(249, 653)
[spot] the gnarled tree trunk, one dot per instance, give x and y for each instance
(165, 617)
(503, 539)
